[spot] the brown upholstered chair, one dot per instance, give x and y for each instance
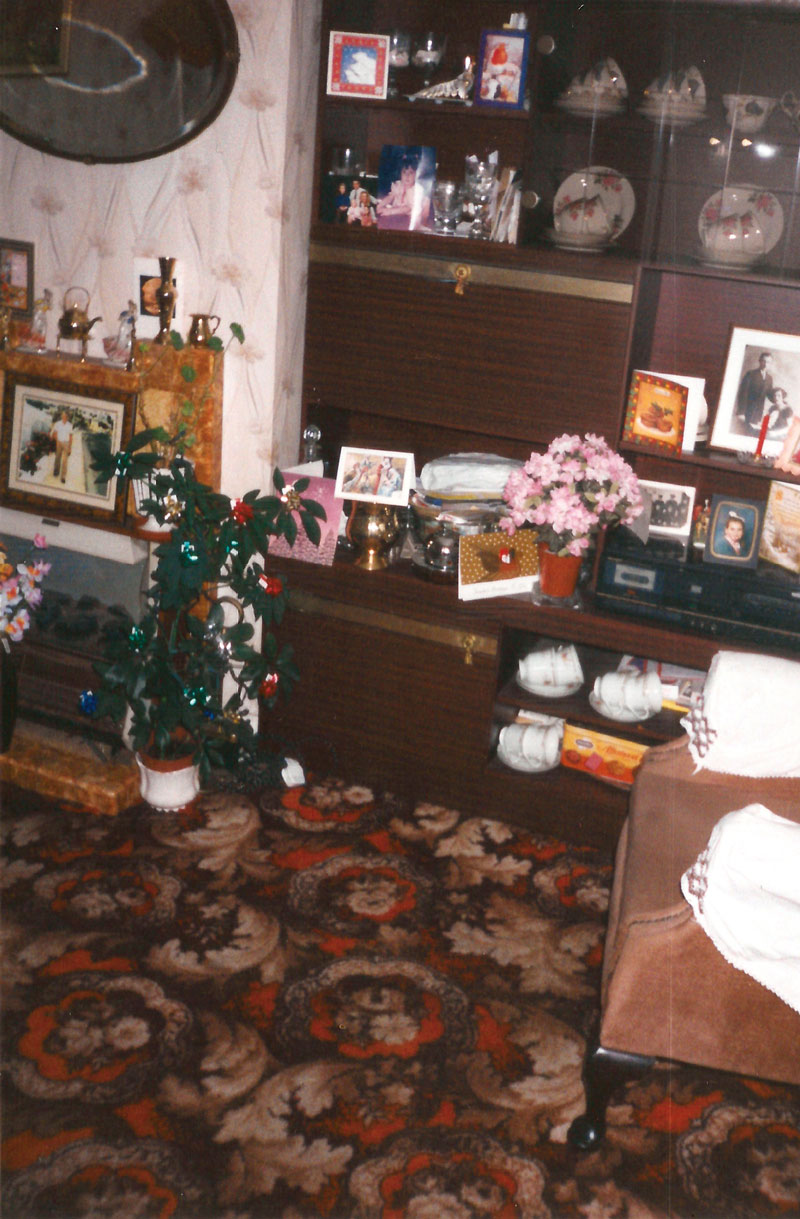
(667, 993)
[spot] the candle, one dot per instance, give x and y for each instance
(762, 434)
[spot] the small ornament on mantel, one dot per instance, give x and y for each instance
(166, 296)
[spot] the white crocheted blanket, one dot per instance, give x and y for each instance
(747, 721)
(744, 889)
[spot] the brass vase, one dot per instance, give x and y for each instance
(166, 295)
(372, 529)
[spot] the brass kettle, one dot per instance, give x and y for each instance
(75, 322)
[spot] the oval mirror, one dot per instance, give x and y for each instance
(114, 80)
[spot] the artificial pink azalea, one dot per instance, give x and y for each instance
(18, 625)
(578, 486)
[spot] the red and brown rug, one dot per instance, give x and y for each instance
(323, 1002)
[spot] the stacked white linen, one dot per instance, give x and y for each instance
(748, 720)
(744, 890)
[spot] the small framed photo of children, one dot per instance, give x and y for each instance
(405, 187)
(349, 200)
(502, 68)
(671, 507)
(734, 531)
(760, 392)
(375, 476)
(358, 64)
(656, 412)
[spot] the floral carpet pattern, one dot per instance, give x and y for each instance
(325, 1002)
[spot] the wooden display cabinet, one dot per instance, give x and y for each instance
(540, 341)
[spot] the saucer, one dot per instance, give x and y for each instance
(587, 243)
(549, 689)
(624, 716)
(676, 113)
(522, 764)
(591, 105)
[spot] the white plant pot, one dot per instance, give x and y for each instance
(168, 785)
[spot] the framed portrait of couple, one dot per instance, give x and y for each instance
(760, 392)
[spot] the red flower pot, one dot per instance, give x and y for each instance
(558, 574)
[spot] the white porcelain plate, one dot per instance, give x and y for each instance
(741, 201)
(623, 716)
(615, 192)
(546, 689)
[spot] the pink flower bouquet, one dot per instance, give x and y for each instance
(577, 487)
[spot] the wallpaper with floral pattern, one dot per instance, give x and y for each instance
(232, 206)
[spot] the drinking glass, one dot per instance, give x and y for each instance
(399, 57)
(428, 52)
(480, 178)
(448, 200)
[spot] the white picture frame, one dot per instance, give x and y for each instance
(738, 418)
(375, 476)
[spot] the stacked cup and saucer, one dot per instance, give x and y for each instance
(551, 672)
(532, 746)
(677, 99)
(600, 92)
(627, 697)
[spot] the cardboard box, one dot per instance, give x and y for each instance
(612, 759)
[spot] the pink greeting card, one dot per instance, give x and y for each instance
(323, 490)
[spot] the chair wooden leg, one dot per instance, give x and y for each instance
(603, 1072)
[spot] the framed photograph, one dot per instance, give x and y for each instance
(35, 39)
(502, 68)
(760, 389)
(16, 277)
(734, 530)
(146, 279)
(375, 475)
(358, 64)
(349, 200)
(671, 508)
(780, 533)
(405, 187)
(50, 439)
(656, 412)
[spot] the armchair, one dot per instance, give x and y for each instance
(667, 992)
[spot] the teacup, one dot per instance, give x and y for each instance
(747, 113)
(623, 694)
(585, 217)
(531, 744)
(556, 666)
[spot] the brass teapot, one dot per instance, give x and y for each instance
(75, 322)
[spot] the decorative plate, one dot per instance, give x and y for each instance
(741, 202)
(615, 193)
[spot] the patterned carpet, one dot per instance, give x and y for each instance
(323, 1002)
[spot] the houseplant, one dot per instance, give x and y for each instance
(183, 674)
(19, 594)
(568, 493)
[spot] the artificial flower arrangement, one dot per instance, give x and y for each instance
(20, 592)
(578, 486)
(184, 672)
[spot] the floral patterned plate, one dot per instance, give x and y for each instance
(614, 191)
(741, 206)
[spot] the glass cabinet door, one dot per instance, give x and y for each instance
(692, 111)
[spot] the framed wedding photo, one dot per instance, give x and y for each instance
(16, 277)
(655, 413)
(761, 382)
(50, 440)
(502, 68)
(358, 64)
(734, 531)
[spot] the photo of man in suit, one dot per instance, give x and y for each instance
(755, 388)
